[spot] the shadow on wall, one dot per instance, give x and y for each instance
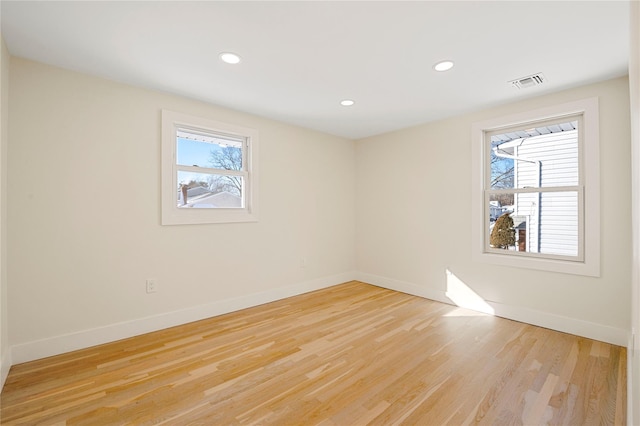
(463, 296)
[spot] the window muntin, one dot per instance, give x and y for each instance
(548, 184)
(209, 171)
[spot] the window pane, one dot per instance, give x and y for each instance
(502, 176)
(201, 190)
(499, 204)
(538, 222)
(204, 150)
(545, 156)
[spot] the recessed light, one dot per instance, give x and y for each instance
(443, 66)
(347, 102)
(229, 58)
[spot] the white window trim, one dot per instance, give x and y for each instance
(171, 214)
(590, 166)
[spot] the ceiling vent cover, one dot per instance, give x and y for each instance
(529, 81)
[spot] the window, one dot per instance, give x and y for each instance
(536, 189)
(209, 171)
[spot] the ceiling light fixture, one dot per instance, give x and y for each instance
(347, 102)
(229, 58)
(443, 66)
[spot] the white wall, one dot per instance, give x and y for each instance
(5, 355)
(84, 214)
(633, 388)
(413, 221)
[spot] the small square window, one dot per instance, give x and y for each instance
(209, 171)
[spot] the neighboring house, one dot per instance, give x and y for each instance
(197, 191)
(547, 220)
(495, 210)
(223, 199)
(203, 198)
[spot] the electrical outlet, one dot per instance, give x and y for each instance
(152, 286)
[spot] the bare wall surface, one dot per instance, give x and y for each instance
(84, 210)
(413, 220)
(5, 357)
(633, 388)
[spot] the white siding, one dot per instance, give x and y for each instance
(553, 216)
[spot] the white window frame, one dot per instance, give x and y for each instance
(171, 213)
(588, 261)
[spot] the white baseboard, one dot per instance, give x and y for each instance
(600, 332)
(5, 365)
(86, 338)
(403, 287)
(603, 333)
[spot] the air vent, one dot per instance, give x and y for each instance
(529, 81)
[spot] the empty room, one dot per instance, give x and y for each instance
(319, 212)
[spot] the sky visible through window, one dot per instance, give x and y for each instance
(194, 153)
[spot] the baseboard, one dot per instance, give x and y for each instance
(86, 338)
(5, 365)
(83, 339)
(403, 287)
(603, 333)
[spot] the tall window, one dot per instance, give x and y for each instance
(209, 171)
(538, 202)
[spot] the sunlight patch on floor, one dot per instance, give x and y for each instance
(463, 296)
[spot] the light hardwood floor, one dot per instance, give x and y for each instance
(353, 354)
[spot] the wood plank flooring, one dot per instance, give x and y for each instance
(353, 354)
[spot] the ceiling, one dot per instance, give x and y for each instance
(300, 59)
